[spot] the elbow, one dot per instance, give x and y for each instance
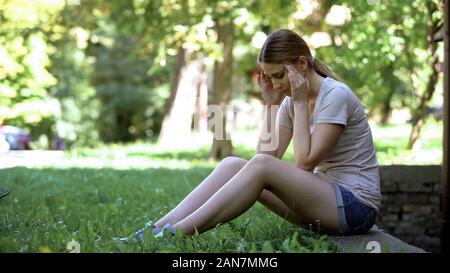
(305, 165)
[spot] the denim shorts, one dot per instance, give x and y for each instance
(354, 216)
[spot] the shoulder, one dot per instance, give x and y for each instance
(338, 92)
(286, 104)
(336, 88)
(285, 101)
(285, 112)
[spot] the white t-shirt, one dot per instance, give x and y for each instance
(352, 163)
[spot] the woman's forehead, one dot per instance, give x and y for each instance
(270, 68)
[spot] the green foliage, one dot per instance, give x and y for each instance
(72, 67)
(102, 71)
(24, 61)
(383, 52)
(122, 88)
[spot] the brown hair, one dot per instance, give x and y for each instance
(285, 46)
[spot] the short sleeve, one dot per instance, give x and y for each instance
(335, 107)
(283, 117)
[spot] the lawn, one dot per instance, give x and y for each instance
(49, 207)
(100, 194)
(94, 195)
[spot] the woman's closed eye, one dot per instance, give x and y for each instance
(279, 76)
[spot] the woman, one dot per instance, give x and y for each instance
(335, 178)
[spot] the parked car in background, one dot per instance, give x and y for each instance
(16, 138)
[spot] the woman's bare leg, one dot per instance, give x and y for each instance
(307, 194)
(273, 203)
(226, 169)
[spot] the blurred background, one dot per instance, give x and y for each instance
(85, 73)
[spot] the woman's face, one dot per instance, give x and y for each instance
(277, 74)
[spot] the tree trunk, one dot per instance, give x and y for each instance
(176, 126)
(180, 63)
(445, 189)
(201, 123)
(419, 116)
(387, 109)
(223, 147)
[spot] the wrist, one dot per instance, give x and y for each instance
(299, 98)
(269, 104)
(301, 108)
(300, 103)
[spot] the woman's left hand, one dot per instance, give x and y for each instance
(299, 84)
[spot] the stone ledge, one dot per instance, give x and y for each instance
(362, 243)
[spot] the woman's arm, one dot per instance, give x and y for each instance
(269, 142)
(311, 149)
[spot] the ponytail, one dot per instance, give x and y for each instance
(323, 69)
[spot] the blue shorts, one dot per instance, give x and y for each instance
(354, 216)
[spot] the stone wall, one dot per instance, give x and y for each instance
(410, 206)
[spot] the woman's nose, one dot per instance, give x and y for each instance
(276, 84)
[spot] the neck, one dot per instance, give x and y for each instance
(315, 81)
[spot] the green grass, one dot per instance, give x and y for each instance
(94, 195)
(49, 207)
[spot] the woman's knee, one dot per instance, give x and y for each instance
(233, 162)
(262, 161)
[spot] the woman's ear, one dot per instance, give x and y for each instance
(302, 64)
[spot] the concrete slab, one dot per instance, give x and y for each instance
(375, 241)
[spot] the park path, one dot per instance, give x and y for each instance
(30, 158)
(60, 159)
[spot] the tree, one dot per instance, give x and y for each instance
(189, 79)
(386, 54)
(223, 147)
(420, 113)
(24, 60)
(128, 79)
(253, 17)
(176, 127)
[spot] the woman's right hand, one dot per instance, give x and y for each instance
(270, 96)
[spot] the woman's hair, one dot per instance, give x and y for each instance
(286, 46)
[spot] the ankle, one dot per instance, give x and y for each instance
(162, 223)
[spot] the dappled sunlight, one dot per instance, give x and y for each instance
(390, 142)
